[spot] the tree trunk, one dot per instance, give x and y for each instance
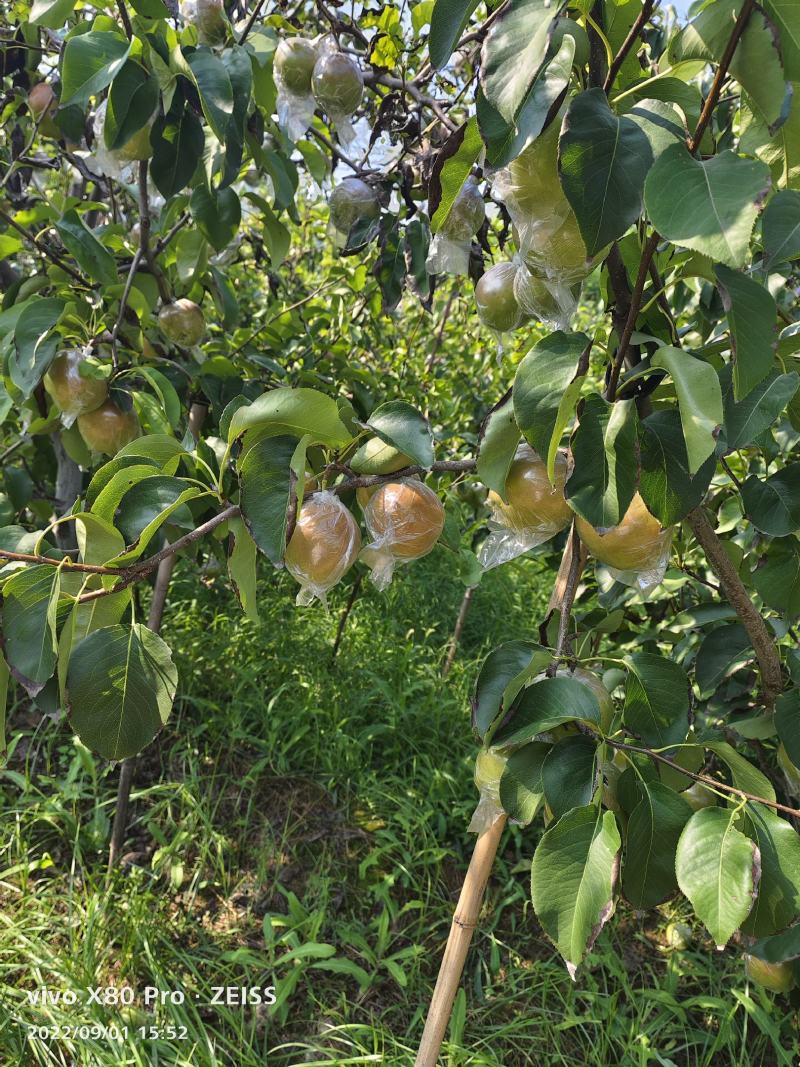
(197, 414)
(459, 629)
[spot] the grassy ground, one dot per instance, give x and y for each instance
(302, 825)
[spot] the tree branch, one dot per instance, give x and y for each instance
(719, 561)
(722, 70)
(628, 43)
(703, 778)
(42, 248)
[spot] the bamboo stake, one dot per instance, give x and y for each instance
(469, 903)
(464, 922)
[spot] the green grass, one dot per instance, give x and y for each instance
(302, 824)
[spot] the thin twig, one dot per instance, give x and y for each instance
(43, 249)
(445, 466)
(628, 43)
(125, 18)
(251, 22)
(722, 70)
(703, 778)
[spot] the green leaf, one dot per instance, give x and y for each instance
(721, 652)
(390, 265)
(149, 499)
(779, 948)
(573, 874)
(665, 484)
(654, 829)
(89, 63)
(603, 162)
(448, 22)
(151, 9)
(785, 15)
(178, 148)
(780, 228)
(513, 53)
(603, 481)
(451, 168)
(293, 411)
(707, 205)
(745, 776)
(242, 567)
(265, 479)
(213, 85)
(777, 580)
(787, 723)
(699, 401)
(131, 102)
(240, 71)
(30, 601)
(521, 787)
(217, 213)
(751, 312)
(662, 123)
(756, 63)
(401, 425)
(569, 773)
(746, 421)
(506, 140)
(51, 13)
(503, 673)
(717, 869)
(93, 257)
(778, 900)
(546, 388)
(34, 344)
(103, 496)
(656, 700)
(545, 705)
(773, 504)
(497, 444)
(121, 682)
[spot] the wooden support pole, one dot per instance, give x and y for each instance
(465, 920)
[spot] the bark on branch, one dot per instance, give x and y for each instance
(769, 661)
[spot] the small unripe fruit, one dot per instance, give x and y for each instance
(351, 201)
(208, 16)
(137, 148)
(337, 84)
(564, 27)
(679, 936)
(182, 322)
(594, 683)
(489, 767)
(41, 98)
(43, 104)
(635, 544)
(294, 64)
(324, 544)
(699, 796)
(405, 518)
(107, 429)
(467, 213)
(494, 295)
(532, 501)
(777, 977)
(73, 393)
(375, 456)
